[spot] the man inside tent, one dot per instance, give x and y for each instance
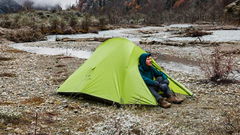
(149, 73)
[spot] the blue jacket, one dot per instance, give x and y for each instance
(148, 73)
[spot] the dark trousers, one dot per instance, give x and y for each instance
(163, 87)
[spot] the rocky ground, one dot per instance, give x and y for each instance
(30, 105)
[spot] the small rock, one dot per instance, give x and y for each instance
(86, 105)
(64, 101)
(75, 111)
(65, 106)
(9, 128)
(4, 94)
(43, 126)
(18, 131)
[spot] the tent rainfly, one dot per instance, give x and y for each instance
(112, 73)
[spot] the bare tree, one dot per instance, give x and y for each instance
(28, 5)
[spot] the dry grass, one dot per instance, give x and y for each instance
(5, 59)
(65, 57)
(58, 80)
(15, 119)
(6, 103)
(230, 124)
(14, 51)
(33, 101)
(60, 65)
(7, 75)
(84, 122)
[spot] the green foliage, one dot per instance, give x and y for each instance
(74, 21)
(86, 22)
(40, 23)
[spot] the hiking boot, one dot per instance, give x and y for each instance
(164, 104)
(174, 100)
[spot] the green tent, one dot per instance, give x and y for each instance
(112, 73)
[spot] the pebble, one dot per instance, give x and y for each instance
(75, 111)
(4, 94)
(18, 131)
(9, 128)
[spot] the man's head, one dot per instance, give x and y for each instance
(149, 61)
(145, 61)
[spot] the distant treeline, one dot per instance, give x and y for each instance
(157, 11)
(141, 11)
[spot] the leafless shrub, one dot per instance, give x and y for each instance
(192, 32)
(102, 23)
(28, 5)
(218, 66)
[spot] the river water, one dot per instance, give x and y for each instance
(136, 35)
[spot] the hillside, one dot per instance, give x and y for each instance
(9, 6)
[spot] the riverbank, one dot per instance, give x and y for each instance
(29, 102)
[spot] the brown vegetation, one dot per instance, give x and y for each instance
(33, 101)
(5, 58)
(13, 119)
(14, 51)
(33, 25)
(157, 12)
(192, 32)
(229, 125)
(86, 17)
(81, 39)
(25, 35)
(7, 75)
(218, 66)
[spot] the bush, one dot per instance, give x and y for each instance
(55, 23)
(73, 22)
(218, 66)
(25, 35)
(86, 23)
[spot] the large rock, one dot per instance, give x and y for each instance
(9, 6)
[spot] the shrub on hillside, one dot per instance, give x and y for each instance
(86, 22)
(55, 23)
(25, 35)
(74, 22)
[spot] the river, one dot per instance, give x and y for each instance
(136, 35)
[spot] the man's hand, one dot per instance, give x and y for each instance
(156, 84)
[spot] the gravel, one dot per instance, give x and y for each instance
(30, 97)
